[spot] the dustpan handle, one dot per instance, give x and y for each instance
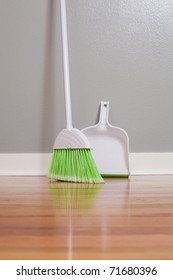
(104, 112)
(66, 65)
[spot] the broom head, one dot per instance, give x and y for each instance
(72, 159)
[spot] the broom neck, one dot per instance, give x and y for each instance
(66, 65)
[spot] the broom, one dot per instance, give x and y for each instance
(71, 159)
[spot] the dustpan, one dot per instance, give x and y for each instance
(110, 146)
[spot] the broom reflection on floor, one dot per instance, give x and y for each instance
(86, 214)
(72, 197)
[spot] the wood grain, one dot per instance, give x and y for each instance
(122, 219)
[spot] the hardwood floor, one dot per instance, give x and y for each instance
(122, 219)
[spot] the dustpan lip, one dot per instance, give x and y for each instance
(115, 175)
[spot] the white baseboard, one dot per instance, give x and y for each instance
(24, 164)
(151, 163)
(38, 164)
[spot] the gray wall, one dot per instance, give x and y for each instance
(121, 51)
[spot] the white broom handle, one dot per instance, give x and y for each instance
(66, 65)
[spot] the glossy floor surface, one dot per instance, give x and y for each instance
(122, 219)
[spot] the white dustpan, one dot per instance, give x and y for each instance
(110, 146)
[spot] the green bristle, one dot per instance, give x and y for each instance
(74, 165)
